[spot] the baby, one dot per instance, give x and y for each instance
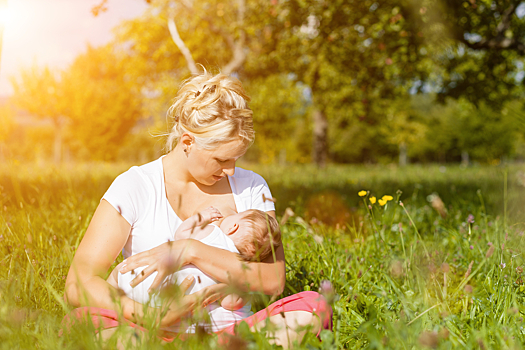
(252, 234)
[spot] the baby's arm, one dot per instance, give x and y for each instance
(233, 302)
(196, 223)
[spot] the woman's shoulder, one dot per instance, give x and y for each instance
(252, 191)
(132, 190)
(141, 180)
(248, 176)
(143, 174)
(246, 180)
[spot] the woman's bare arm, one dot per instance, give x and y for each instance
(85, 285)
(267, 276)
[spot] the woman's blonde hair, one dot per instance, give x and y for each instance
(212, 108)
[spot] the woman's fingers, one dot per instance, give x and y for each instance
(142, 275)
(213, 293)
(211, 299)
(146, 258)
(133, 262)
(186, 284)
(157, 281)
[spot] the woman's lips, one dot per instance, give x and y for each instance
(217, 178)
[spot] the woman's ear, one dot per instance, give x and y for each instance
(232, 229)
(187, 140)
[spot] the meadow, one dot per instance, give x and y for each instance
(439, 265)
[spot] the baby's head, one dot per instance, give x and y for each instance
(254, 233)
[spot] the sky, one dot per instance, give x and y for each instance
(54, 32)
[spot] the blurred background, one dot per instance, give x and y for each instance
(375, 82)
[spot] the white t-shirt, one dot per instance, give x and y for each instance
(139, 195)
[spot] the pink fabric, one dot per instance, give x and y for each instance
(305, 301)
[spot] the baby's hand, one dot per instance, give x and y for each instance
(208, 215)
(233, 302)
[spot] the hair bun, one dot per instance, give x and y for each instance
(213, 109)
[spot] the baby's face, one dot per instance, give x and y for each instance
(237, 228)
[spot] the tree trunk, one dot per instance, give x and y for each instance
(3, 6)
(282, 157)
(465, 159)
(57, 147)
(403, 156)
(320, 141)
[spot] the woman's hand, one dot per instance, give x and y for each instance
(166, 259)
(193, 302)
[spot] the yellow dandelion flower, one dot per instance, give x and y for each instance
(372, 200)
(387, 198)
(382, 202)
(362, 193)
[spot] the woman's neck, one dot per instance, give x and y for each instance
(175, 167)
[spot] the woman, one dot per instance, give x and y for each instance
(212, 129)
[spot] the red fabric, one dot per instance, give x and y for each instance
(305, 301)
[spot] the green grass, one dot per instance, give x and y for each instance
(392, 288)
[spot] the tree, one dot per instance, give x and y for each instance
(93, 104)
(403, 128)
(103, 102)
(6, 126)
(480, 45)
(352, 55)
(173, 37)
(459, 128)
(38, 91)
(181, 34)
(356, 59)
(280, 108)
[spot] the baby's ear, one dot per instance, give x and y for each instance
(232, 229)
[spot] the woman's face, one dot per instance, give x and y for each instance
(210, 166)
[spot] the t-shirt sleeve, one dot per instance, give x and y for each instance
(260, 193)
(127, 194)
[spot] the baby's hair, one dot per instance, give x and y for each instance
(213, 109)
(266, 234)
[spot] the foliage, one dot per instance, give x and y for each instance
(360, 77)
(93, 104)
(6, 129)
(6, 122)
(103, 103)
(38, 91)
(279, 106)
(486, 134)
(481, 44)
(398, 277)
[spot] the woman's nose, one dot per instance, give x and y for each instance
(229, 170)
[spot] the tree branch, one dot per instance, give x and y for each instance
(217, 30)
(239, 55)
(499, 41)
(182, 47)
(236, 45)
